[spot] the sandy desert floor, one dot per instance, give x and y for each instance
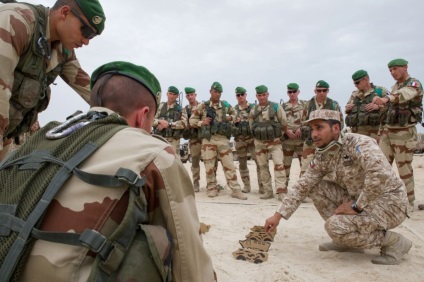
(294, 254)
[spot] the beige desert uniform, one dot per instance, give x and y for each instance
(267, 124)
(375, 187)
(294, 114)
(399, 136)
(309, 147)
(195, 145)
(170, 201)
(215, 142)
(177, 122)
(244, 144)
(358, 119)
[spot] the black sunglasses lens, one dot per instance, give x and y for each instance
(87, 32)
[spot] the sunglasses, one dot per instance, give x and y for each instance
(321, 90)
(291, 91)
(262, 94)
(172, 93)
(357, 82)
(86, 30)
(240, 95)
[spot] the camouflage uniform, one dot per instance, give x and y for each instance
(309, 147)
(170, 202)
(398, 141)
(17, 23)
(370, 120)
(195, 145)
(244, 143)
(177, 121)
(217, 146)
(378, 190)
(294, 114)
(261, 114)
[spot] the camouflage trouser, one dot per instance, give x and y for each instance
(6, 148)
(273, 147)
(175, 142)
(357, 231)
(289, 148)
(371, 131)
(218, 148)
(195, 153)
(243, 146)
(308, 155)
(399, 145)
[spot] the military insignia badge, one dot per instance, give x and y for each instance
(97, 20)
(312, 164)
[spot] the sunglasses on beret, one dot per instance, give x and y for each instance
(240, 95)
(321, 90)
(86, 30)
(291, 91)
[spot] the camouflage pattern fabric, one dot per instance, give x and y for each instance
(376, 187)
(17, 23)
(309, 149)
(243, 146)
(170, 199)
(294, 114)
(196, 153)
(216, 148)
(397, 142)
(272, 147)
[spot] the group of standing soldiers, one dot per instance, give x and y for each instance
(268, 129)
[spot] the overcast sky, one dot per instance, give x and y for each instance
(252, 42)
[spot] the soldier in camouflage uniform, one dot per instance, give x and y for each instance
(171, 119)
(292, 141)
(135, 92)
(268, 122)
(244, 140)
(192, 134)
(399, 136)
(34, 52)
(358, 211)
(362, 115)
(320, 101)
(213, 118)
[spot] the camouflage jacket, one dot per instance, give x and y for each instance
(200, 112)
(178, 118)
(294, 114)
(17, 23)
(79, 205)
(375, 185)
(264, 115)
(312, 105)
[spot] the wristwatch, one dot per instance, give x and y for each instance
(355, 208)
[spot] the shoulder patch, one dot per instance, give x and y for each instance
(312, 164)
(225, 103)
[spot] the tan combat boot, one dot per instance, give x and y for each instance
(261, 189)
(246, 188)
(333, 246)
(394, 247)
(196, 186)
(238, 195)
(267, 195)
(421, 207)
(212, 193)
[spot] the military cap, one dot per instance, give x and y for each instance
(261, 89)
(324, 114)
(173, 89)
(217, 86)
(240, 90)
(138, 73)
(359, 74)
(293, 86)
(322, 84)
(189, 90)
(397, 62)
(93, 11)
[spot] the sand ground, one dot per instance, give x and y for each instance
(294, 254)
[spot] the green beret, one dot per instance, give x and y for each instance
(217, 86)
(138, 73)
(173, 89)
(261, 89)
(240, 90)
(189, 90)
(359, 74)
(93, 11)
(397, 62)
(322, 83)
(293, 86)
